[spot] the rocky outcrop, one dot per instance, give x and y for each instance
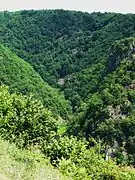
(120, 50)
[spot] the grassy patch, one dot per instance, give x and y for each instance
(24, 164)
(62, 129)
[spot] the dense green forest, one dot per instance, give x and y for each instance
(109, 113)
(71, 89)
(20, 76)
(65, 44)
(25, 121)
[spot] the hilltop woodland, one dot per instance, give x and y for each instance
(68, 87)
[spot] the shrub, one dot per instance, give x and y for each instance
(24, 120)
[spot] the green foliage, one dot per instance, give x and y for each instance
(91, 165)
(120, 50)
(66, 44)
(63, 147)
(32, 36)
(91, 58)
(108, 114)
(24, 120)
(77, 161)
(20, 76)
(69, 45)
(25, 164)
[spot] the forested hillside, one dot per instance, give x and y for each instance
(21, 77)
(109, 113)
(54, 42)
(25, 121)
(65, 44)
(81, 67)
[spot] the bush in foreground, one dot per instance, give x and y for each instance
(24, 120)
